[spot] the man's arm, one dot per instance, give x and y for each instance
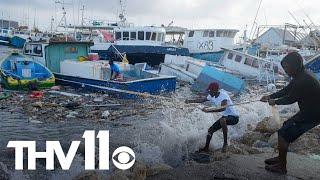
(199, 100)
(224, 105)
(283, 92)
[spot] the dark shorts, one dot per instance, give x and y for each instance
(297, 125)
(231, 120)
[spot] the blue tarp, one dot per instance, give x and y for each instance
(227, 81)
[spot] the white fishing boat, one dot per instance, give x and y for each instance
(207, 44)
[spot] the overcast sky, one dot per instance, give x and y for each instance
(188, 13)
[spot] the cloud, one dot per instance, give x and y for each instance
(188, 13)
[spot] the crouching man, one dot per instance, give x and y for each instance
(304, 88)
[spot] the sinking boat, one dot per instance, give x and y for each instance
(63, 59)
(20, 73)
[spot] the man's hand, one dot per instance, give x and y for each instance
(272, 102)
(265, 98)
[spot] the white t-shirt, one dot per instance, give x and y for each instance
(230, 110)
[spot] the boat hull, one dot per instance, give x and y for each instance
(19, 73)
(154, 86)
(14, 84)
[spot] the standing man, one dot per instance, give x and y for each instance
(304, 88)
(230, 116)
(115, 72)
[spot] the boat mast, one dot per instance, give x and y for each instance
(122, 17)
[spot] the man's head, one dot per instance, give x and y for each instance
(292, 64)
(213, 89)
(110, 62)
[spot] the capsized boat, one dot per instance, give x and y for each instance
(20, 73)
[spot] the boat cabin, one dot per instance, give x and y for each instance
(209, 40)
(36, 51)
(139, 35)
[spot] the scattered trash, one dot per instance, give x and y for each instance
(56, 88)
(72, 114)
(72, 105)
(103, 105)
(105, 114)
(98, 99)
(37, 104)
(4, 95)
(36, 94)
(65, 94)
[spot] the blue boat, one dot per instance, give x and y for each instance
(314, 65)
(19, 73)
(17, 41)
(64, 59)
(227, 81)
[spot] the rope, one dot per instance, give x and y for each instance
(236, 104)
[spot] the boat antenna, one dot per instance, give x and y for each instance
(255, 20)
(122, 17)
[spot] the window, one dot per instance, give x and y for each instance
(141, 35)
(37, 50)
(133, 35)
(118, 35)
(230, 55)
(154, 36)
(255, 63)
(248, 61)
(148, 35)
(211, 34)
(205, 33)
(191, 33)
(27, 49)
(238, 58)
(159, 37)
(126, 35)
(5, 31)
(219, 33)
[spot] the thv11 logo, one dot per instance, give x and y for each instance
(123, 157)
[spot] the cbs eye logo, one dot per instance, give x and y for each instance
(123, 158)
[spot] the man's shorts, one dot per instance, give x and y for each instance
(231, 120)
(297, 125)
